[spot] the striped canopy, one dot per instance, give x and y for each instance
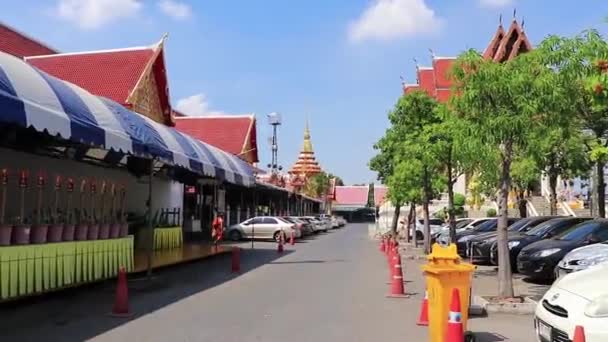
(31, 98)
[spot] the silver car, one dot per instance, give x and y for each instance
(262, 227)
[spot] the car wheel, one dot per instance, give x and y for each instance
(234, 235)
(419, 235)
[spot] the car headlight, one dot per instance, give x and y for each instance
(546, 252)
(466, 238)
(512, 244)
(597, 307)
(591, 262)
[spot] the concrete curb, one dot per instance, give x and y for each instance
(525, 308)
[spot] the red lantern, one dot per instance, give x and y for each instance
(4, 176)
(40, 180)
(58, 182)
(70, 185)
(83, 185)
(23, 179)
(103, 187)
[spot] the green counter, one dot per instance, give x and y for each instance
(168, 238)
(31, 269)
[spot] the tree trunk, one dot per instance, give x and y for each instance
(410, 220)
(425, 212)
(414, 229)
(395, 219)
(505, 281)
(601, 195)
(451, 213)
(552, 192)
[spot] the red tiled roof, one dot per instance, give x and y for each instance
(443, 95)
(379, 195)
(20, 45)
(352, 195)
(409, 88)
(441, 68)
(112, 74)
(426, 80)
(229, 133)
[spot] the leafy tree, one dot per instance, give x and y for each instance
(383, 163)
(500, 103)
(524, 172)
(581, 64)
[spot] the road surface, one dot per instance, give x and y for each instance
(330, 287)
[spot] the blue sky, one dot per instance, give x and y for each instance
(337, 62)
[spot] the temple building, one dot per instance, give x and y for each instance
(21, 45)
(135, 77)
(306, 166)
(232, 133)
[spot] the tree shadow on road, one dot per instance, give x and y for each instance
(81, 313)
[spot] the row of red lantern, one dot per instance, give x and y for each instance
(41, 182)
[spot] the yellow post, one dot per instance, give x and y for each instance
(445, 271)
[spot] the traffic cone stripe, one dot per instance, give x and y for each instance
(455, 317)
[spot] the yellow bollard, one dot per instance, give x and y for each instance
(445, 271)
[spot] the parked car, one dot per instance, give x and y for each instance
(303, 226)
(341, 221)
(579, 298)
(517, 241)
(435, 225)
(261, 227)
(443, 236)
(463, 238)
(319, 226)
(480, 247)
(582, 258)
(334, 222)
(540, 259)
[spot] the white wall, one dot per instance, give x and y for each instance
(166, 193)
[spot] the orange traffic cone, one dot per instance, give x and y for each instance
(382, 245)
(391, 267)
(121, 302)
(454, 332)
(579, 334)
(292, 240)
(397, 288)
(280, 245)
(236, 259)
(424, 311)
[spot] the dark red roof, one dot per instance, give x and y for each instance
(410, 88)
(111, 74)
(379, 195)
(426, 80)
(441, 68)
(352, 195)
(229, 133)
(20, 45)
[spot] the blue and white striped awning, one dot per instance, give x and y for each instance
(31, 98)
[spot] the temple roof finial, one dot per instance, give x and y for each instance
(432, 53)
(500, 20)
(514, 14)
(523, 23)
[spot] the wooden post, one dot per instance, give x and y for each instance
(150, 244)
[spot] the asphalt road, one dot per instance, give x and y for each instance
(330, 287)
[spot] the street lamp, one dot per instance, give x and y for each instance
(274, 119)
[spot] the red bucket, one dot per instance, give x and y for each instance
(114, 230)
(81, 233)
(93, 232)
(39, 233)
(6, 231)
(104, 231)
(55, 233)
(68, 232)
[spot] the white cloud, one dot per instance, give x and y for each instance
(496, 3)
(393, 19)
(196, 105)
(92, 14)
(176, 10)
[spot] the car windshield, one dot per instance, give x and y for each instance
(578, 232)
(517, 226)
(462, 224)
(543, 228)
(486, 226)
(288, 219)
(283, 220)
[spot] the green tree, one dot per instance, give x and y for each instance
(500, 103)
(581, 64)
(384, 163)
(524, 172)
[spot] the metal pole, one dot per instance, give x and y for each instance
(150, 243)
(255, 213)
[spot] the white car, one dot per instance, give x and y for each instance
(262, 227)
(579, 298)
(444, 235)
(582, 258)
(334, 223)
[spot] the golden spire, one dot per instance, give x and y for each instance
(307, 143)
